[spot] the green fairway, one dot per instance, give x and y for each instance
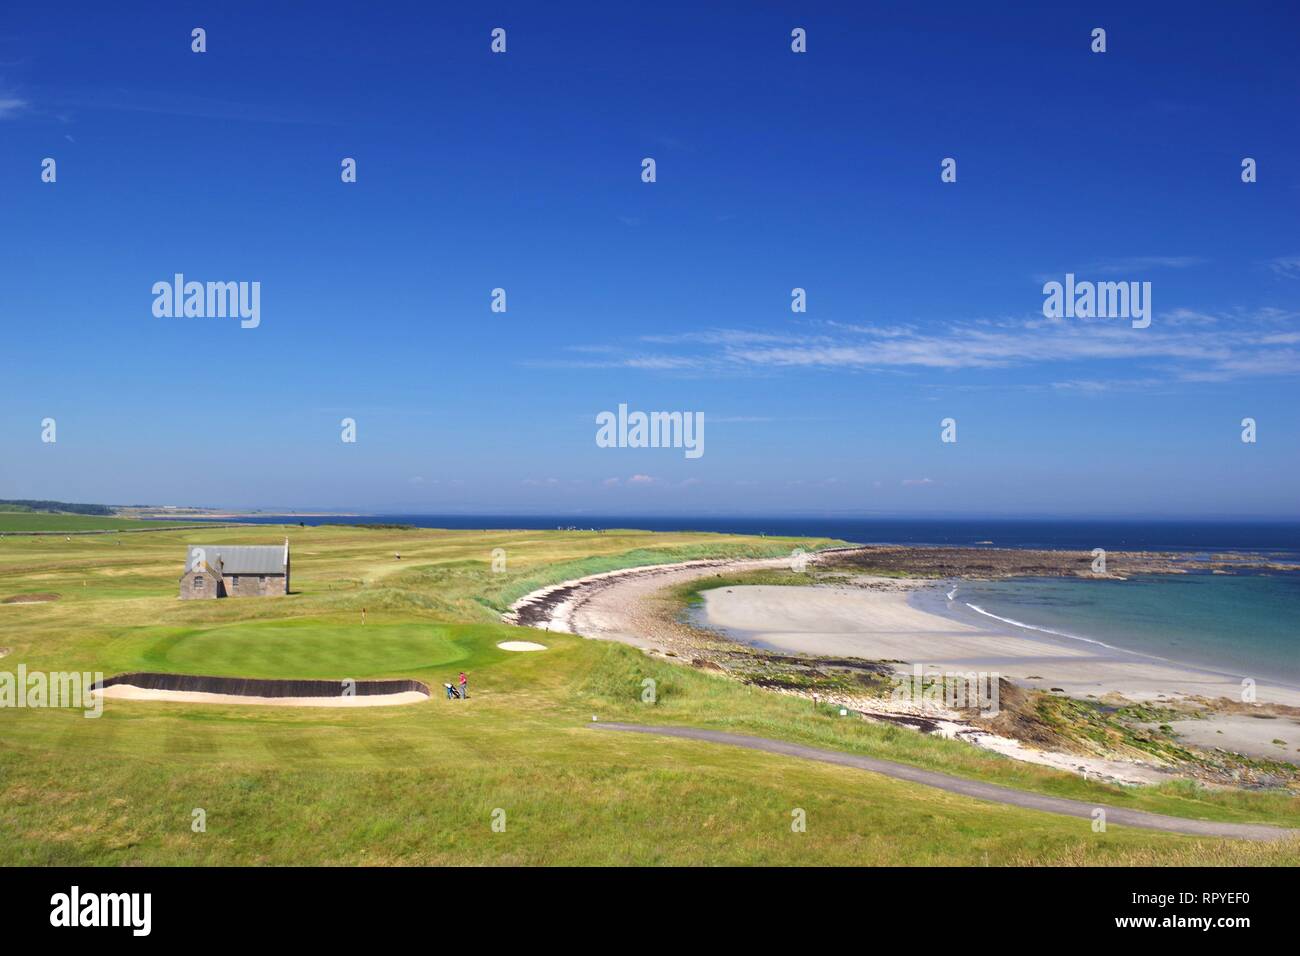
(419, 784)
(15, 521)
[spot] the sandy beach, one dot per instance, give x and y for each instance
(610, 607)
(884, 625)
(876, 619)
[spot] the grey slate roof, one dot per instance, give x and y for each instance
(238, 559)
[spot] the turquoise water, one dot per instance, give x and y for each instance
(1247, 625)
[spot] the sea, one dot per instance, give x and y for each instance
(1245, 624)
(1267, 537)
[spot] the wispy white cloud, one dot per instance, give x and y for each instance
(1180, 345)
(634, 481)
(714, 337)
(1132, 266)
(1288, 267)
(1095, 386)
(11, 106)
(1144, 264)
(1187, 317)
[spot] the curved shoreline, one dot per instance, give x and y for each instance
(602, 606)
(556, 606)
(874, 621)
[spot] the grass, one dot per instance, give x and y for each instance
(27, 520)
(419, 784)
(274, 649)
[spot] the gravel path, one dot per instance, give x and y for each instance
(972, 788)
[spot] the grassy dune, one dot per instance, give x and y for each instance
(419, 784)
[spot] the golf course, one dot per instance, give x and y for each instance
(515, 774)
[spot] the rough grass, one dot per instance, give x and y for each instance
(11, 521)
(419, 784)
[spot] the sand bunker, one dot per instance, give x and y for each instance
(5, 651)
(194, 689)
(521, 646)
(30, 599)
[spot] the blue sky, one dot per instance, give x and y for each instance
(774, 170)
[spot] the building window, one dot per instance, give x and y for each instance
(262, 580)
(198, 582)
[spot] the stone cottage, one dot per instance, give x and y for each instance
(218, 571)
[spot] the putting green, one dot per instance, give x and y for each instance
(416, 785)
(303, 648)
